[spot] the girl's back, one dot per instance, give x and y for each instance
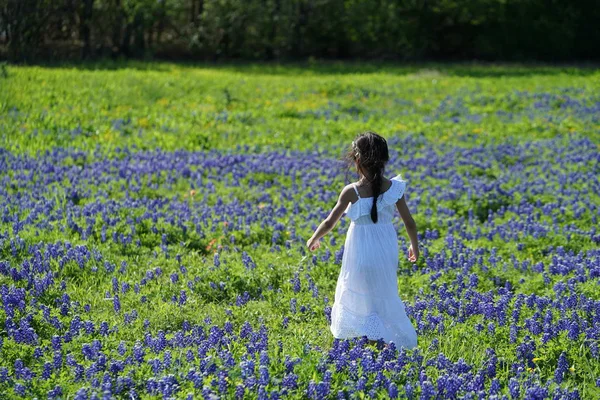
(360, 210)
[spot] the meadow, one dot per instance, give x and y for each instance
(153, 221)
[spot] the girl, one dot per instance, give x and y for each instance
(366, 296)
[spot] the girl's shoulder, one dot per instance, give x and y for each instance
(349, 193)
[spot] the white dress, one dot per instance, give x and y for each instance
(366, 296)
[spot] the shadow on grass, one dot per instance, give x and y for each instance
(314, 68)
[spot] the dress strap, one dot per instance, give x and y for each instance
(356, 190)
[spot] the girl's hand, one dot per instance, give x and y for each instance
(413, 255)
(312, 244)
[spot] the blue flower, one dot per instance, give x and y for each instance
(393, 390)
(562, 368)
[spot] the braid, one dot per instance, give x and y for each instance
(376, 185)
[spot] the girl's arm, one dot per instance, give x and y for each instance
(328, 223)
(411, 229)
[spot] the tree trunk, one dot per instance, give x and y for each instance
(139, 39)
(85, 31)
(270, 53)
(25, 20)
(196, 9)
(150, 37)
(161, 24)
(4, 24)
(193, 12)
(126, 39)
(200, 7)
(117, 41)
(301, 23)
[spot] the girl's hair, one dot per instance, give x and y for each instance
(370, 152)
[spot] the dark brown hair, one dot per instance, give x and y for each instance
(370, 152)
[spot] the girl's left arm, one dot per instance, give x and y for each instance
(328, 223)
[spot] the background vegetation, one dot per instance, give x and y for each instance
(283, 29)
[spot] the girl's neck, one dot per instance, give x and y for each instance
(364, 180)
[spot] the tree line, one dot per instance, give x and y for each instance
(550, 30)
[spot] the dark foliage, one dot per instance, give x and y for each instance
(295, 29)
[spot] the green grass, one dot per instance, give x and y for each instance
(104, 107)
(174, 106)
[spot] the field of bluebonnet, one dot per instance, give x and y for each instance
(153, 221)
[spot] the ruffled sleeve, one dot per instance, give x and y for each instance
(396, 191)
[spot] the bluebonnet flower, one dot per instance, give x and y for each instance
(573, 333)
(514, 388)
(81, 394)
(189, 356)
(536, 393)
(79, 372)
(242, 299)
(156, 365)
(138, 353)
(427, 390)
(293, 302)
(296, 283)
(47, 371)
(594, 349)
(495, 386)
(518, 221)
(116, 303)
(393, 390)
(361, 384)
(264, 358)
(22, 372)
(56, 392)
(562, 368)
(20, 389)
(262, 393)
(239, 392)
(247, 368)
(37, 352)
(222, 382)
(247, 261)
(104, 328)
(409, 390)
(290, 381)
(24, 333)
(263, 375)
(167, 359)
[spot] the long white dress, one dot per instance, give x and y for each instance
(366, 296)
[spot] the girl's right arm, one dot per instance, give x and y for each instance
(328, 223)
(411, 229)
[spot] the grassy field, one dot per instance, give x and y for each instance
(153, 221)
(174, 107)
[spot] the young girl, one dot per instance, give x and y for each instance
(366, 297)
